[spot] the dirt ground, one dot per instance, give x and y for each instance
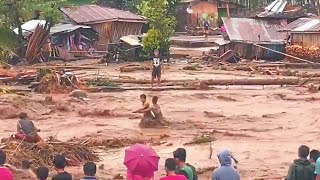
(262, 126)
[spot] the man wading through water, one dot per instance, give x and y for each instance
(156, 70)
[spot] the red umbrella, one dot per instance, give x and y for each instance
(141, 160)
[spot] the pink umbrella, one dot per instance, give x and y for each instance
(141, 160)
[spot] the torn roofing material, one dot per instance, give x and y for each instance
(254, 30)
(65, 28)
(303, 25)
(94, 14)
(279, 9)
(29, 26)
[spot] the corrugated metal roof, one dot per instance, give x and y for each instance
(94, 14)
(30, 26)
(249, 30)
(276, 7)
(303, 25)
(65, 28)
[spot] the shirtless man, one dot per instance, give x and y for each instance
(145, 105)
(155, 110)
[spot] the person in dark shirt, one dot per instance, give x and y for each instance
(301, 168)
(156, 68)
(26, 130)
(206, 25)
(90, 170)
(184, 168)
(59, 162)
(42, 173)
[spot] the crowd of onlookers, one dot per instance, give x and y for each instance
(304, 168)
(176, 168)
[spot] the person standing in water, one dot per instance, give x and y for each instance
(156, 69)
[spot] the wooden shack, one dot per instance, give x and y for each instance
(214, 8)
(263, 33)
(304, 38)
(110, 23)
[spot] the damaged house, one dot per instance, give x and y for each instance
(64, 37)
(243, 34)
(110, 23)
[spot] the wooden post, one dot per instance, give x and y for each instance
(228, 10)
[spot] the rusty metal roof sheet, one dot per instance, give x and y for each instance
(303, 25)
(249, 30)
(65, 28)
(94, 14)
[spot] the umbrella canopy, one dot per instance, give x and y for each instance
(141, 160)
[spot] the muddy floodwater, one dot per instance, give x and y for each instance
(262, 126)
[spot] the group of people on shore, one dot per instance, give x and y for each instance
(176, 168)
(304, 168)
(43, 173)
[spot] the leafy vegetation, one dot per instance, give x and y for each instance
(161, 22)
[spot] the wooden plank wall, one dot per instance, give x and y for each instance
(305, 39)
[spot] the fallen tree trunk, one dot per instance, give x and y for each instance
(290, 65)
(273, 81)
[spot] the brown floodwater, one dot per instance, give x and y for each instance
(262, 126)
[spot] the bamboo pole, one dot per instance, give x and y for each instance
(300, 59)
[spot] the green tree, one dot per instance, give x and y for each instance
(162, 25)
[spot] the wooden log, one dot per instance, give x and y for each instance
(134, 68)
(273, 81)
(146, 81)
(290, 65)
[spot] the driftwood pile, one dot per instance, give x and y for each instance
(51, 81)
(310, 53)
(76, 153)
(37, 40)
(9, 75)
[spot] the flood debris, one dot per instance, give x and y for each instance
(134, 67)
(201, 139)
(52, 81)
(312, 88)
(212, 114)
(42, 155)
(224, 98)
(194, 67)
